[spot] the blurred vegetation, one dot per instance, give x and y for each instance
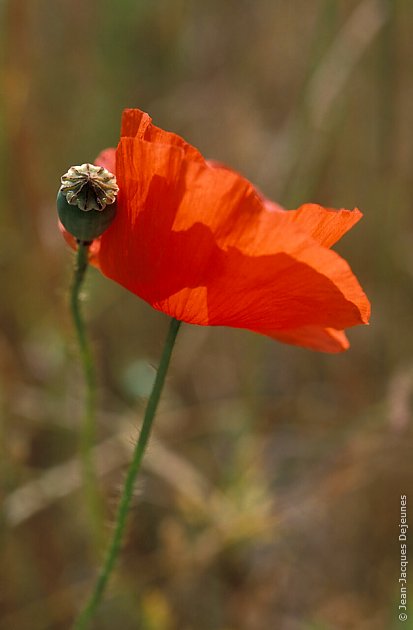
(270, 496)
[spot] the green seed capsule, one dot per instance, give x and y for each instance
(86, 202)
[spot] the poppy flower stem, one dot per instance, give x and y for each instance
(88, 428)
(112, 554)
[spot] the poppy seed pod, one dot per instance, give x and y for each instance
(86, 202)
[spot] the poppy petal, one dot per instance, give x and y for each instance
(196, 242)
(138, 124)
(107, 159)
(313, 337)
(325, 225)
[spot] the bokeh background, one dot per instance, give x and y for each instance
(270, 495)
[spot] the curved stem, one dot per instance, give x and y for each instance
(88, 428)
(112, 554)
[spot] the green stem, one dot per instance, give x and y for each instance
(88, 428)
(112, 554)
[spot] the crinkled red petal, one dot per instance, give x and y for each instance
(198, 242)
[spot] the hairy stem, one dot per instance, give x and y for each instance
(112, 554)
(88, 428)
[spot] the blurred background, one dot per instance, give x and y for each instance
(270, 495)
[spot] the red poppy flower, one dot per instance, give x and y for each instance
(197, 241)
